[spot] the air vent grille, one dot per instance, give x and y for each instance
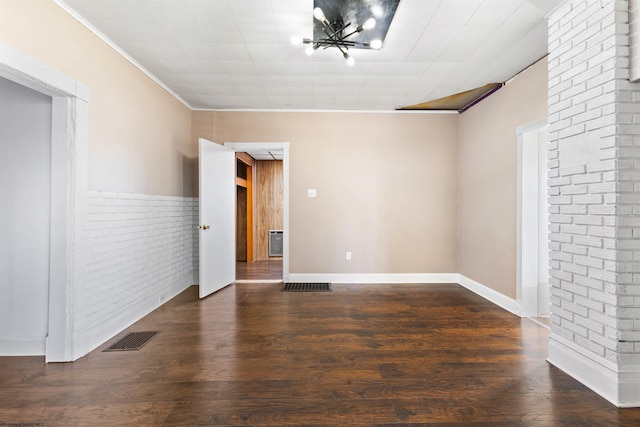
(306, 287)
(132, 341)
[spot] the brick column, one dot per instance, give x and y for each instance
(594, 188)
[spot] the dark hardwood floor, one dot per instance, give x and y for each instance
(259, 270)
(362, 355)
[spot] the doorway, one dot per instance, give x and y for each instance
(25, 193)
(269, 207)
(69, 141)
(244, 209)
(259, 217)
(533, 222)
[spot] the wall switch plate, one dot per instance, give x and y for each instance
(348, 255)
(311, 192)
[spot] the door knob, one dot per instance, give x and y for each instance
(203, 227)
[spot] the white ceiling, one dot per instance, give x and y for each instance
(237, 54)
(266, 154)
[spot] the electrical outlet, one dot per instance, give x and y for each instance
(348, 255)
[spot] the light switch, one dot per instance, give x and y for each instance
(311, 192)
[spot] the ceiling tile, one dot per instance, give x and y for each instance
(466, 41)
(233, 52)
(494, 12)
(170, 11)
(237, 53)
(264, 52)
(258, 33)
(433, 42)
(248, 81)
(456, 12)
(200, 51)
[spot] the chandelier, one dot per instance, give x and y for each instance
(336, 35)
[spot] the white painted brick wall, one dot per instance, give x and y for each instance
(628, 247)
(141, 251)
(594, 161)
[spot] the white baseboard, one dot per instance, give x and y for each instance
(621, 388)
(485, 292)
(489, 294)
(118, 324)
(349, 278)
(629, 387)
(22, 346)
(241, 281)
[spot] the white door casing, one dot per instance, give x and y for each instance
(543, 224)
(69, 142)
(280, 147)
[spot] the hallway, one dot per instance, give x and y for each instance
(259, 270)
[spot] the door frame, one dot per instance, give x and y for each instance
(69, 142)
(248, 186)
(274, 146)
(527, 240)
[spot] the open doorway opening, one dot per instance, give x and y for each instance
(244, 208)
(262, 211)
(533, 222)
(25, 194)
(69, 141)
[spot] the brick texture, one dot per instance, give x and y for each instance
(141, 251)
(594, 161)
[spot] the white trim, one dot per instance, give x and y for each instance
(531, 126)
(538, 322)
(257, 146)
(309, 110)
(22, 346)
(275, 146)
(420, 278)
(69, 142)
(24, 70)
(491, 295)
(240, 282)
(621, 388)
(119, 50)
(115, 325)
(629, 388)
(398, 278)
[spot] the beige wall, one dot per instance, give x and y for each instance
(487, 165)
(390, 186)
(387, 186)
(139, 134)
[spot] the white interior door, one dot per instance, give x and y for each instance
(217, 229)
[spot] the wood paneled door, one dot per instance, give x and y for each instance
(269, 206)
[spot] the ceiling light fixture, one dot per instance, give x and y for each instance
(336, 37)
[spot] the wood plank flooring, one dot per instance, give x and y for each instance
(259, 270)
(362, 355)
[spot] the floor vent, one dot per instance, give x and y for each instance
(132, 341)
(306, 287)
